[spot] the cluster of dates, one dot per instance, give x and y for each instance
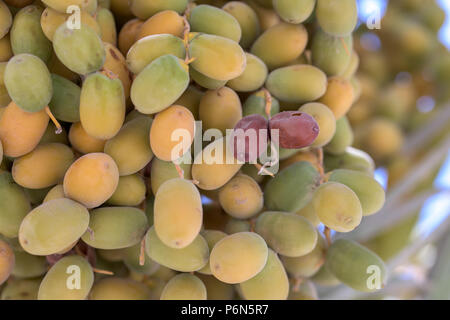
(113, 200)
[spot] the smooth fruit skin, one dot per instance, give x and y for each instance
(131, 257)
(184, 286)
(43, 167)
(107, 26)
(26, 34)
(352, 67)
(211, 20)
(91, 179)
(217, 57)
(210, 174)
(83, 142)
(267, 18)
(191, 99)
(90, 6)
(65, 102)
(53, 226)
(249, 138)
(14, 205)
(241, 197)
(264, 3)
(356, 266)
(162, 171)
(308, 265)
(146, 50)
(294, 11)
(280, 44)
(5, 49)
(116, 63)
(5, 99)
(7, 260)
(217, 290)
(235, 226)
(306, 291)
(325, 120)
(58, 284)
(114, 288)
(337, 207)
(57, 192)
(177, 223)
(21, 131)
(204, 81)
(353, 159)
(129, 192)
(308, 213)
(271, 283)
(238, 257)
(130, 148)
(18, 3)
(21, 289)
(325, 278)
(370, 193)
(128, 34)
(28, 82)
(342, 138)
(297, 83)
(5, 19)
(337, 17)
(115, 227)
(303, 155)
(133, 114)
(144, 9)
(339, 96)
(292, 188)
(253, 77)
(164, 22)
(247, 19)
(287, 233)
(211, 237)
(296, 130)
(102, 106)
(168, 128)
(159, 84)
(55, 66)
(80, 50)
(331, 54)
(188, 259)
(256, 104)
(220, 109)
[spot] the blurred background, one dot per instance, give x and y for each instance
(402, 119)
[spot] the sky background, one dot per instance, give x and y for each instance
(444, 34)
(437, 208)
